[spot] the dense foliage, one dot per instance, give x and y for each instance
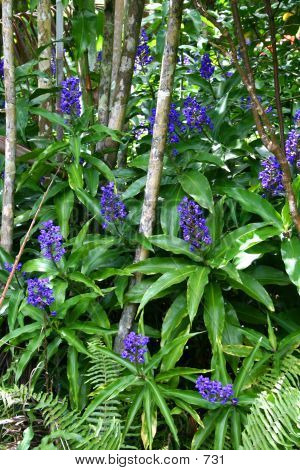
(212, 360)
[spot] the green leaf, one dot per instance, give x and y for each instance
(32, 347)
(91, 328)
(249, 285)
(131, 414)
(165, 281)
(75, 175)
(15, 299)
(162, 405)
(188, 396)
(173, 318)
(101, 167)
(197, 186)
(64, 203)
(174, 245)
(245, 369)
(52, 117)
(256, 204)
(221, 429)
(240, 240)
(73, 376)
(179, 372)
(169, 216)
(41, 265)
(290, 251)
(19, 331)
(92, 204)
(214, 313)
(81, 278)
(201, 435)
(72, 339)
(110, 391)
(28, 435)
(158, 265)
(195, 288)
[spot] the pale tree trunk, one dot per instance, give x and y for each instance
(7, 222)
(44, 38)
(59, 57)
(155, 166)
(117, 43)
(135, 9)
(106, 63)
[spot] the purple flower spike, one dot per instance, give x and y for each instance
(271, 176)
(207, 69)
(135, 348)
(297, 117)
(50, 240)
(143, 56)
(195, 115)
(40, 293)
(214, 391)
(70, 97)
(292, 149)
(8, 266)
(2, 69)
(112, 208)
(193, 224)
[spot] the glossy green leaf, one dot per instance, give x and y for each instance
(195, 288)
(165, 281)
(197, 186)
(214, 313)
(64, 203)
(73, 376)
(290, 251)
(162, 405)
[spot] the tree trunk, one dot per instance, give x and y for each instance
(124, 78)
(44, 38)
(155, 166)
(59, 57)
(106, 63)
(7, 222)
(117, 43)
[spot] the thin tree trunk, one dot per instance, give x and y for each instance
(155, 166)
(263, 125)
(275, 71)
(44, 38)
(59, 57)
(124, 78)
(106, 63)
(7, 223)
(117, 43)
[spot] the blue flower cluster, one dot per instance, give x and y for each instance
(143, 56)
(40, 293)
(292, 149)
(195, 115)
(206, 69)
(297, 117)
(112, 207)
(246, 103)
(192, 117)
(50, 240)
(70, 97)
(214, 391)
(2, 69)
(99, 56)
(193, 224)
(175, 126)
(8, 266)
(271, 176)
(135, 347)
